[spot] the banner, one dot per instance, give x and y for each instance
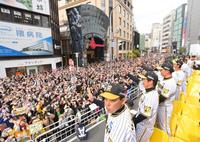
(35, 127)
(40, 6)
(24, 40)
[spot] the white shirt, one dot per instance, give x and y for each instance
(120, 128)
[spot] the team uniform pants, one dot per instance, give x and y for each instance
(143, 133)
(164, 117)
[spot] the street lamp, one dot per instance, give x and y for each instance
(110, 33)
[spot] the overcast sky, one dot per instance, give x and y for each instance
(147, 12)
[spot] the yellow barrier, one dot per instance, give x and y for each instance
(187, 129)
(174, 139)
(159, 136)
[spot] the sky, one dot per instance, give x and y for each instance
(147, 12)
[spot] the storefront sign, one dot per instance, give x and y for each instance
(24, 40)
(40, 6)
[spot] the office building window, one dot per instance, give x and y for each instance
(37, 20)
(124, 23)
(124, 34)
(45, 21)
(5, 14)
(28, 18)
(124, 13)
(127, 36)
(120, 21)
(120, 46)
(120, 32)
(120, 9)
(17, 16)
(127, 26)
(124, 45)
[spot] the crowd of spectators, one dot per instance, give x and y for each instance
(53, 95)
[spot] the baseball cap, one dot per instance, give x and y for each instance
(168, 66)
(114, 91)
(151, 76)
(178, 62)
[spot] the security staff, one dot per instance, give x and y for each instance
(119, 126)
(148, 104)
(166, 89)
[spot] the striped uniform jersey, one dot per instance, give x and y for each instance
(167, 88)
(120, 127)
(148, 105)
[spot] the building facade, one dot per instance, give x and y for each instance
(193, 23)
(122, 23)
(156, 37)
(29, 37)
(179, 28)
(120, 41)
(167, 32)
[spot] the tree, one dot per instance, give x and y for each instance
(182, 50)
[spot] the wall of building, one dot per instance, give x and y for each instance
(193, 30)
(122, 21)
(156, 37)
(123, 27)
(28, 64)
(178, 29)
(167, 30)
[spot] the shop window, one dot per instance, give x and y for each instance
(17, 16)
(5, 14)
(45, 21)
(37, 20)
(28, 18)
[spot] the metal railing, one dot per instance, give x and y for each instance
(133, 93)
(66, 128)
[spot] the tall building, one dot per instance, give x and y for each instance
(29, 37)
(179, 28)
(121, 24)
(156, 37)
(142, 42)
(193, 23)
(148, 42)
(166, 32)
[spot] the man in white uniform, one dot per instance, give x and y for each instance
(179, 77)
(186, 69)
(119, 126)
(166, 90)
(148, 104)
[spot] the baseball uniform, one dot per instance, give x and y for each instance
(119, 127)
(167, 90)
(148, 106)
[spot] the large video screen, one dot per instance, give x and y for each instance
(24, 40)
(40, 6)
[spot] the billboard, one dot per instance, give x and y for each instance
(24, 40)
(40, 6)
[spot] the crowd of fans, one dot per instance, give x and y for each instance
(50, 96)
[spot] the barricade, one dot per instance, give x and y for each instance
(66, 128)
